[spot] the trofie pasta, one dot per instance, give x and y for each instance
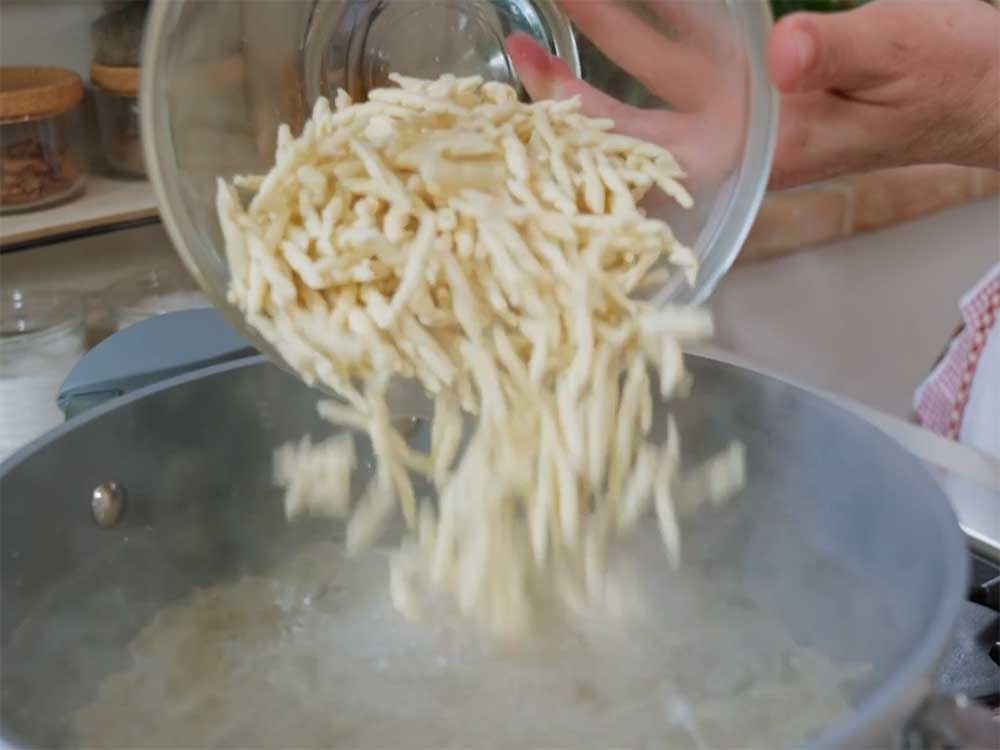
(493, 250)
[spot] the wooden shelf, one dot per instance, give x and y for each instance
(106, 201)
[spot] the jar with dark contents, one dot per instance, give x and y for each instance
(116, 91)
(117, 38)
(117, 34)
(40, 150)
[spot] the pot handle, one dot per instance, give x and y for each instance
(952, 722)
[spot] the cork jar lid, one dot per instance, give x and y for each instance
(117, 80)
(30, 92)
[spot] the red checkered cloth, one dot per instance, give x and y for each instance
(940, 401)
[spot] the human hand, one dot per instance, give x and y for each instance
(679, 52)
(894, 82)
(891, 83)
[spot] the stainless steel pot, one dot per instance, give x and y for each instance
(840, 533)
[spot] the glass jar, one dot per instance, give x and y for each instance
(116, 92)
(41, 337)
(154, 291)
(117, 34)
(40, 149)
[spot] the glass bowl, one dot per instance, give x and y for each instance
(219, 77)
(42, 336)
(153, 291)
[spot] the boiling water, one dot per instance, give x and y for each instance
(314, 655)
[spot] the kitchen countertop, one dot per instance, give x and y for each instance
(865, 317)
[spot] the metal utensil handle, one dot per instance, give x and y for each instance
(952, 722)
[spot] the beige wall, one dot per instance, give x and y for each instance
(47, 32)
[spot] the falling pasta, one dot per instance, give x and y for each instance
(494, 251)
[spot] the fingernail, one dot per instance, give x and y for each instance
(806, 49)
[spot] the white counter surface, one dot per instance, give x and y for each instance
(865, 317)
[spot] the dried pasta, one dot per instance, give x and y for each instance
(491, 249)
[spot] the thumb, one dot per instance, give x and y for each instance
(821, 51)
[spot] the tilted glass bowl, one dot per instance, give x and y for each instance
(219, 77)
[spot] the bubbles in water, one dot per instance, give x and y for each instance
(315, 656)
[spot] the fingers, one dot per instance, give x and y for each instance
(704, 143)
(674, 71)
(892, 83)
(836, 51)
(700, 25)
(704, 146)
(542, 74)
(546, 76)
(822, 135)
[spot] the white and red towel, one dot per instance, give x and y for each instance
(961, 397)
